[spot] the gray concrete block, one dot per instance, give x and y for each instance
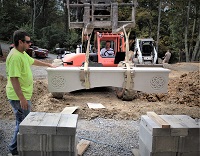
(32, 153)
(39, 153)
(188, 121)
(49, 123)
(143, 150)
(61, 153)
(31, 142)
(178, 128)
(30, 124)
(158, 143)
(190, 144)
(47, 143)
(190, 154)
(153, 127)
(67, 124)
(61, 143)
(182, 137)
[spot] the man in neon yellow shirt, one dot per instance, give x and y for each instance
(19, 87)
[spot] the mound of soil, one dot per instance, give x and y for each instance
(182, 98)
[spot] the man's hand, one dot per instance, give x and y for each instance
(24, 104)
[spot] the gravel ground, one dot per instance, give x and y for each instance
(108, 137)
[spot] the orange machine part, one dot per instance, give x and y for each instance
(74, 60)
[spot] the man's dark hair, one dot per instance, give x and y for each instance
(19, 35)
(108, 41)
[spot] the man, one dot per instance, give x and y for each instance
(19, 87)
(107, 51)
(167, 57)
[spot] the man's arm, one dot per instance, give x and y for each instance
(18, 91)
(102, 51)
(40, 63)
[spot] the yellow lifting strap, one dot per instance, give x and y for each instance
(128, 78)
(85, 73)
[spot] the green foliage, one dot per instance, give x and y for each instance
(48, 27)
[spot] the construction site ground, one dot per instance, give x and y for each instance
(183, 96)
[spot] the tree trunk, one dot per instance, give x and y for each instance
(34, 13)
(158, 31)
(186, 32)
(191, 50)
(195, 54)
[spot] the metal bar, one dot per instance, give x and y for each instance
(101, 5)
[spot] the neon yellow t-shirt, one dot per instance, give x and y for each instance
(18, 65)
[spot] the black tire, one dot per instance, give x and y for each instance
(125, 95)
(57, 95)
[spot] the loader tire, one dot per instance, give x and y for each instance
(57, 95)
(125, 95)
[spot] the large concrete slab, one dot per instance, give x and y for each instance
(154, 80)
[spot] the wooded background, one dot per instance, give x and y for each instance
(174, 24)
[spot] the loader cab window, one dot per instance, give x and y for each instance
(147, 48)
(107, 49)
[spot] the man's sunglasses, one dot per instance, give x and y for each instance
(28, 42)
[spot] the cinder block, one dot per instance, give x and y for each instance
(30, 124)
(182, 137)
(194, 127)
(39, 153)
(190, 154)
(153, 127)
(31, 142)
(48, 143)
(145, 152)
(61, 153)
(32, 153)
(49, 123)
(67, 124)
(61, 143)
(178, 128)
(158, 143)
(48, 134)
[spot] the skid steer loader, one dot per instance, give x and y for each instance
(123, 75)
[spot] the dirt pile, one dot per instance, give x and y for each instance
(181, 90)
(185, 90)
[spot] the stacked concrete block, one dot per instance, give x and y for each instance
(48, 134)
(181, 139)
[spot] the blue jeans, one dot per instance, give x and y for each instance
(20, 114)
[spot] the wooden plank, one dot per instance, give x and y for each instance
(82, 146)
(135, 152)
(162, 123)
(69, 110)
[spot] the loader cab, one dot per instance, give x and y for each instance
(145, 51)
(116, 43)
